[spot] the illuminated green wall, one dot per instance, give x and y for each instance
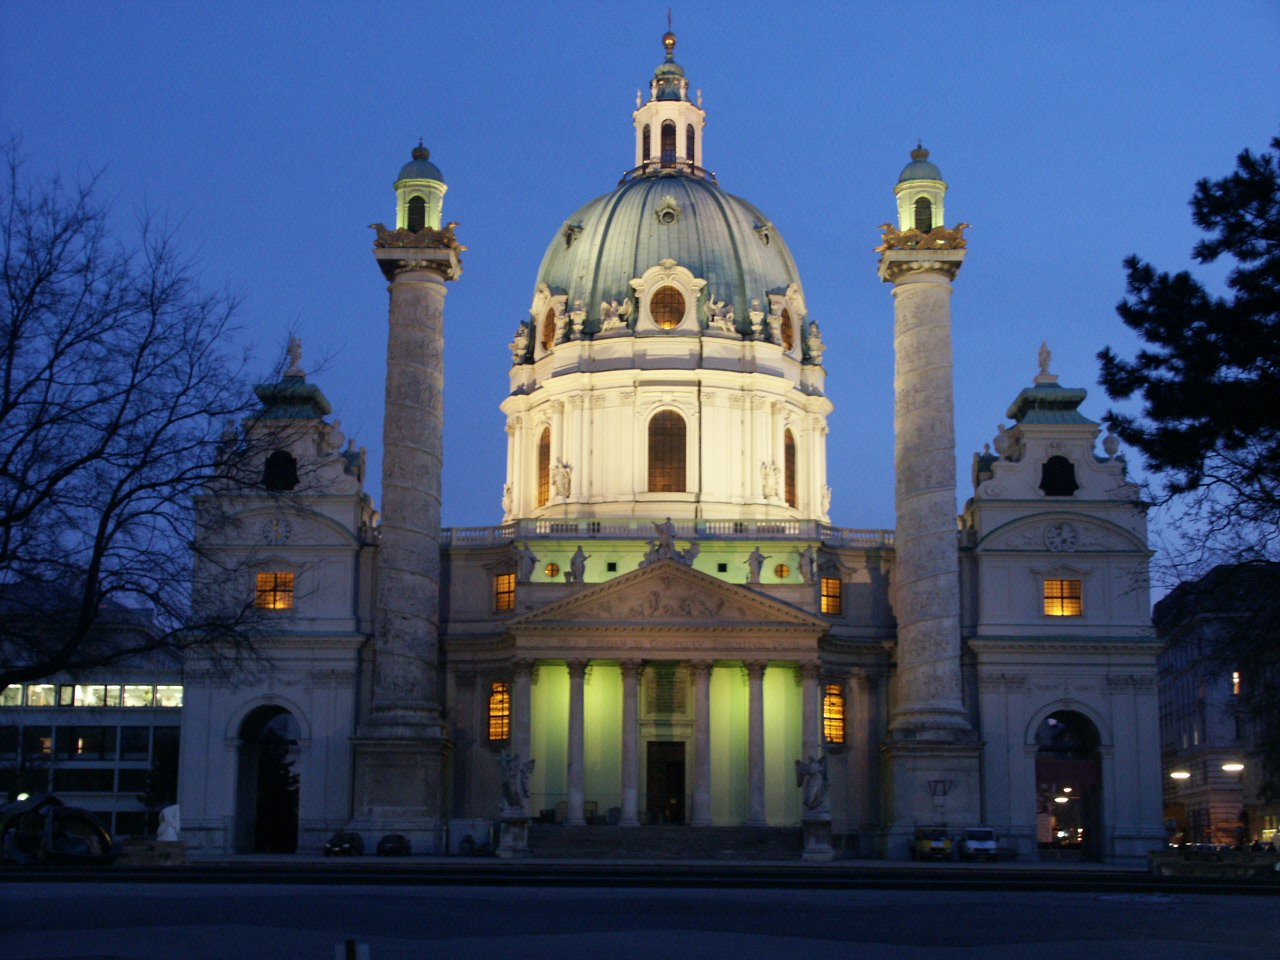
(602, 716)
(783, 741)
(728, 745)
(549, 735)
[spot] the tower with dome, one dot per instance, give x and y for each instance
(664, 644)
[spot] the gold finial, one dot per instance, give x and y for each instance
(420, 152)
(919, 153)
(669, 39)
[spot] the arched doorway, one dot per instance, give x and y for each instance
(267, 788)
(1068, 788)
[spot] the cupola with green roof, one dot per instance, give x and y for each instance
(420, 190)
(920, 191)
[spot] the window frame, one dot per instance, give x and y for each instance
(499, 712)
(669, 475)
(834, 713)
(831, 596)
(544, 467)
(504, 592)
(1066, 595)
(277, 594)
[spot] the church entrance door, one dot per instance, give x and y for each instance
(267, 791)
(664, 771)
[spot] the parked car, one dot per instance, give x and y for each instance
(394, 845)
(931, 843)
(344, 843)
(42, 829)
(978, 843)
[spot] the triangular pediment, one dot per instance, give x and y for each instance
(665, 594)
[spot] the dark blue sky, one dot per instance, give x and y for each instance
(270, 133)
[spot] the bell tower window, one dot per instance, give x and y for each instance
(924, 215)
(417, 218)
(690, 141)
(789, 467)
(668, 144)
(544, 467)
(280, 472)
(666, 306)
(549, 330)
(646, 151)
(1058, 478)
(667, 453)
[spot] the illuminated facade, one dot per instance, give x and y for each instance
(665, 621)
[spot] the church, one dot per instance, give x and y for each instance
(665, 630)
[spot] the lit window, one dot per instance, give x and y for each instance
(136, 695)
(544, 467)
(113, 695)
(549, 330)
(1063, 598)
(504, 592)
(788, 331)
(667, 453)
(782, 571)
(11, 696)
(666, 306)
(789, 467)
(499, 711)
(275, 591)
(1235, 683)
(417, 218)
(832, 596)
(833, 712)
(552, 570)
(40, 695)
(90, 696)
(169, 696)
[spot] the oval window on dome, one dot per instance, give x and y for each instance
(788, 331)
(666, 306)
(549, 330)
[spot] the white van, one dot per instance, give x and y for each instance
(978, 843)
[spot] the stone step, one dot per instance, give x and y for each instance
(665, 842)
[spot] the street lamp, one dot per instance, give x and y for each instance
(1180, 775)
(1233, 766)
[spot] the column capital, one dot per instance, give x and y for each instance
(755, 668)
(810, 670)
(577, 668)
(898, 265)
(523, 666)
(631, 667)
(702, 666)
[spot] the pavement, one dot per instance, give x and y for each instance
(92, 920)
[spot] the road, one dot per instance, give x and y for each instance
(198, 921)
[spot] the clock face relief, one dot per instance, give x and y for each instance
(276, 530)
(1060, 537)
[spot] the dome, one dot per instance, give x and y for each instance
(420, 167)
(719, 237)
(920, 168)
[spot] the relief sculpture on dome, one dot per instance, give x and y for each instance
(613, 315)
(814, 342)
(757, 320)
(720, 316)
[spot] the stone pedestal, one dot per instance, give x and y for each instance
(934, 783)
(817, 839)
(513, 837)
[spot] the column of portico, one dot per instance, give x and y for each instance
(755, 743)
(701, 743)
(631, 670)
(811, 722)
(577, 753)
(522, 709)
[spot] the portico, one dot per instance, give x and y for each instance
(634, 696)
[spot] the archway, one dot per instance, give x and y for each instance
(267, 786)
(1068, 788)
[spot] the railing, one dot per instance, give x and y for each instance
(643, 529)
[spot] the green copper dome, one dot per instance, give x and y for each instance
(920, 168)
(420, 167)
(719, 237)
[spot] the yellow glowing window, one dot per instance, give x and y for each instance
(275, 591)
(499, 711)
(1063, 598)
(549, 330)
(667, 307)
(788, 331)
(789, 467)
(832, 596)
(504, 591)
(833, 712)
(667, 453)
(544, 467)
(1235, 682)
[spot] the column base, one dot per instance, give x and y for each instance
(398, 788)
(932, 782)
